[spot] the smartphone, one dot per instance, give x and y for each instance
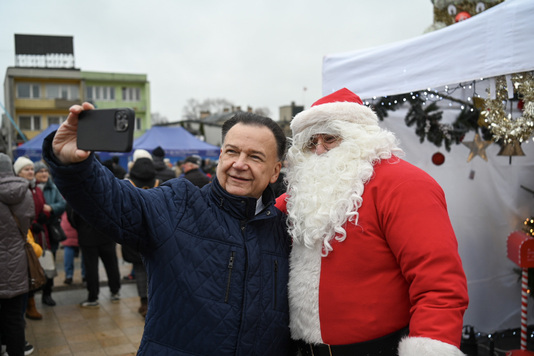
(109, 130)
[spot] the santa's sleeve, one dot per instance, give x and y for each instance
(419, 233)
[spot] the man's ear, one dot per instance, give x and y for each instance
(276, 172)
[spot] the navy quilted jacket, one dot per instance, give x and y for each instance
(217, 272)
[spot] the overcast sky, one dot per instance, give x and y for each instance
(251, 53)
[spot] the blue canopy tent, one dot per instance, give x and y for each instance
(33, 148)
(177, 143)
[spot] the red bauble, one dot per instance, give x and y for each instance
(520, 104)
(438, 158)
(462, 16)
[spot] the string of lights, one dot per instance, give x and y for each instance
(492, 117)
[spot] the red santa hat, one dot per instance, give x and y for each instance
(340, 105)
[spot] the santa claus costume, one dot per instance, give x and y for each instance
(375, 258)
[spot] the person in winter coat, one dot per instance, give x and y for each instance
(117, 169)
(95, 245)
(163, 172)
(24, 167)
(16, 215)
(375, 268)
(192, 172)
(71, 249)
(216, 257)
(55, 207)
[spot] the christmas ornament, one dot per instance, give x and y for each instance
(477, 147)
(511, 149)
(438, 158)
(464, 15)
(502, 125)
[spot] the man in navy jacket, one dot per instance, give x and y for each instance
(217, 257)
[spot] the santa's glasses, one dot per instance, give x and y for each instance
(327, 141)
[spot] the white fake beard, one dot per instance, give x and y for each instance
(325, 191)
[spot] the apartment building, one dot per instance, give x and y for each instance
(118, 90)
(44, 83)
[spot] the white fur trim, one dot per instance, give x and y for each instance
(304, 275)
(424, 346)
(346, 111)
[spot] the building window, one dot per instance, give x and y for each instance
(62, 91)
(52, 120)
(138, 124)
(30, 123)
(100, 93)
(131, 94)
(28, 91)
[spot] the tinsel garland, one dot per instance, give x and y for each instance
(502, 125)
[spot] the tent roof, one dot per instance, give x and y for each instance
(176, 142)
(34, 147)
(495, 42)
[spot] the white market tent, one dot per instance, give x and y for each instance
(498, 41)
(485, 199)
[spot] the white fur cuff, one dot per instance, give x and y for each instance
(423, 346)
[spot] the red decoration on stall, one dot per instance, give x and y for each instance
(520, 248)
(438, 158)
(464, 15)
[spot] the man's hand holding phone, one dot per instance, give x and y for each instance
(87, 129)
(65, 144)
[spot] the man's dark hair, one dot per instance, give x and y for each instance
(248, 118)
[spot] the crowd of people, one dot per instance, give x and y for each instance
(333, 246)
(29, 184)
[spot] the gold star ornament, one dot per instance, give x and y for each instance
(477, 147)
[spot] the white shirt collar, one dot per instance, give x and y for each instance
(259, 205)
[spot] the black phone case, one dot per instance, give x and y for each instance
(108, 130)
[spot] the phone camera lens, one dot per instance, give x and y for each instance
(121, 121)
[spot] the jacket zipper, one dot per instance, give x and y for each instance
(275, 283)
(230, 267)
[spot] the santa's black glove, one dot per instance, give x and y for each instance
(37, 228)
(42, 218)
